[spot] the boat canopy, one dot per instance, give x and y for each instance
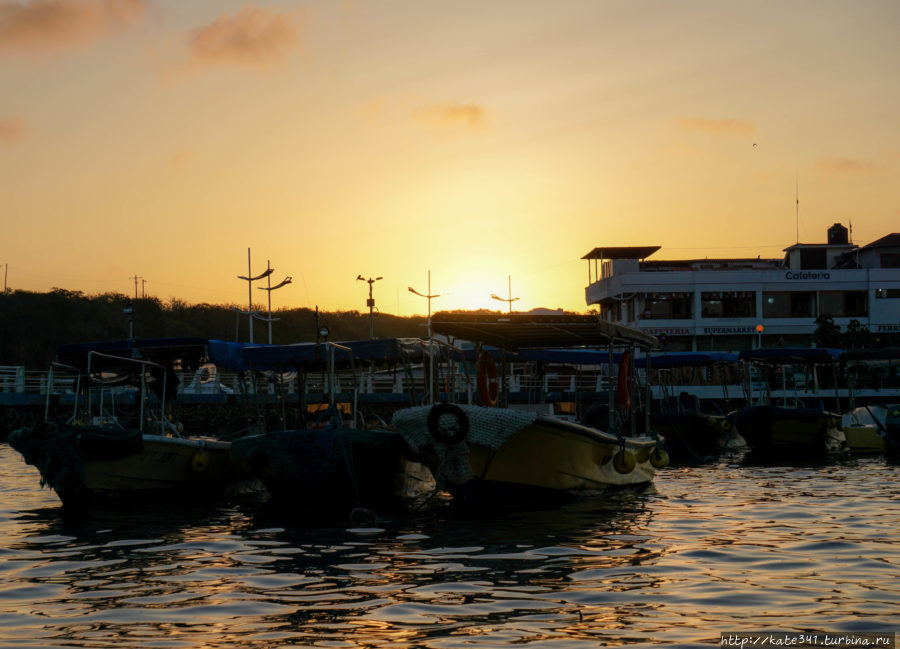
(686, 359)
(799, 355)
(189, 351)
(521, 331)
(308, 355)
(860, 355)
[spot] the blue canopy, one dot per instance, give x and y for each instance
(687, 359)
(164, 351)
(242, 356)
(802, 355)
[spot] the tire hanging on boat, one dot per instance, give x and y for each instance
(451, 434)
(200, 461)
(486, 379)
(623, 461)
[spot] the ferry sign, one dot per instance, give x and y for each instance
(889, 328)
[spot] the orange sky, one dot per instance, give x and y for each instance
(389, 138)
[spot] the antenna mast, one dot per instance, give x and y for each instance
(797, 203)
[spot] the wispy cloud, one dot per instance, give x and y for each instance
(253, 37)
(717, 126)
(845, 166)
(451, 114)
(11, 129)
(50, 26)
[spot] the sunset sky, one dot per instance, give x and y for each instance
(478, 140)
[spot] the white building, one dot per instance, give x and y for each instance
(734, 304)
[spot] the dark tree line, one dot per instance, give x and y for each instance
(33, 325)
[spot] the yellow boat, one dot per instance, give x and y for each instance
(473, 449)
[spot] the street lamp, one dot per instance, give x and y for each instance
(430, 297)
(250, 279)
(510, 299)
(129, 314)
(370, 303)
(269, 288)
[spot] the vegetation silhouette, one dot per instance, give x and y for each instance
(33, 325)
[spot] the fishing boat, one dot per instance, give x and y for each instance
(873, 379)
(333, 461)
(488, 452)
(786, 419)
(695, 430)
(99, 455)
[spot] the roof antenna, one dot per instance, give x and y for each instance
(797, 200)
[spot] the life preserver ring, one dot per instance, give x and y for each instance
(450, 433)
(623, 382)
(486, 380)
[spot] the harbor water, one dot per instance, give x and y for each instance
(705, 551)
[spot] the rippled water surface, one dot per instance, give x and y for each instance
(704, 551)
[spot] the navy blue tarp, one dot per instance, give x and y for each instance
(783, 355)
(242, 356)
(687, 359)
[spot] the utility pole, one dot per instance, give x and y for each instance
(136, 278)
(250, 279)
(510, 299)
(371, 304)
(430, 343)
(269, 288)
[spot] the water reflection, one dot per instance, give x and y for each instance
(709, 549)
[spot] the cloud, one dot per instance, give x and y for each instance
(717, 126)
(449, 114)
(253, 37)
(11, 129)
(50, 26)
(845, 166)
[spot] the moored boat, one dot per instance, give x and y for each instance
(95, 457)
(695, 431)
(488, 453)
(327, 464)
(788, 428)
(484, 452)
(87, 465)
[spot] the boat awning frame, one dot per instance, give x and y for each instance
(522, 331)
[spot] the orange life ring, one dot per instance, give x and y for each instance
(623, 383)
(486, 375)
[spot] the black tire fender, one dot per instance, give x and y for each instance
(448, 434)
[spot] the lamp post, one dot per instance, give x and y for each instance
(371, 304)
(268, 289)
(759, 330)
(250, 279)
(510, 299)
(129, 314)
(430, 297)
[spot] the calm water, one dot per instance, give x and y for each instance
(705, 551)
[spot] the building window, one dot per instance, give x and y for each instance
(888, 293)
(728, 304)
(890, 260)
(667, 306)
(612, 310)
(789, 304)
(813, 259)
(843, 303)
